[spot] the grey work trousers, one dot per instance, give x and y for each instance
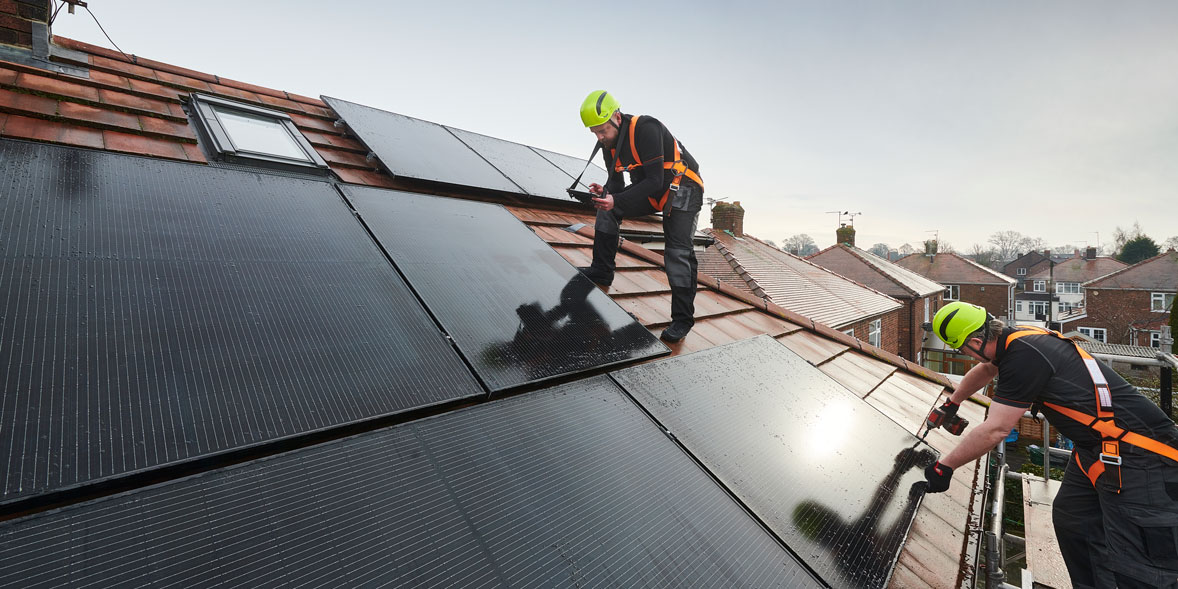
(679, 224)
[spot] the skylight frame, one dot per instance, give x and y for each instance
(219, 142)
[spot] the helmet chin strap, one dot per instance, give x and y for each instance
(981, 350)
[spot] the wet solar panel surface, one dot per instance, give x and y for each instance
(156, 312)
(835, 479)
(528, 169)
(572, 486)
(419, 149)
(573, 166)
(516, 309)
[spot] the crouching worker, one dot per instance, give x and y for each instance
(1116, 514)
(664, 178)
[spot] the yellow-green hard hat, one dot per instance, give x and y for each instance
(955, 322)
(598, 107)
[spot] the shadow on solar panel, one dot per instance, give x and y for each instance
(834, 478)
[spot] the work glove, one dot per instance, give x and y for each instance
(938, 476)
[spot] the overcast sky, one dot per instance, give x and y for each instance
(1056, 119)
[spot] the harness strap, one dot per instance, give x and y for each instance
(678, 168)
(1110, 430)
(1092, 473)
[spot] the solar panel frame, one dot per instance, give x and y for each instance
(414, 148)
(156, 312)
(533, 173)
(517, 310)
(568, 486)
(831, 476)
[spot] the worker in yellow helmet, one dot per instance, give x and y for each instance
(1116, 512)
(663, 178)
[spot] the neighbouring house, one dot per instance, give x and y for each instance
(1130, 305)
(1055, 294)
(919, 295)
(765, 271)
(1022, 266)
(241, 319)
(964, 280)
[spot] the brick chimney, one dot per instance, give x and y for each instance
(1090, 253)
(728, 217)
(23, 21)
(845, 235)
(930, 247)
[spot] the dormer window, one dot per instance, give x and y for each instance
(241, 133)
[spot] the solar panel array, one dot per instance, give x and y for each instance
(570, 486)
(835, 479)
(155, 312)
(516, 309)
(422, 150)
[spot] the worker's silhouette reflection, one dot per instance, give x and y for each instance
(569, 336)
(863, 551)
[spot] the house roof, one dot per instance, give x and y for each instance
(1024, 261)
(137, 108)
(950, 268)
(1078, 269)
(1157, 273)
(874, 271)
(796, 284)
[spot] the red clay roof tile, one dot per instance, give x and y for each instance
(21, 103)
(252, 88)
(345, 158)
(193, 152)
(52, 132)
(108, 79)
(185, 81)
(140, 145)
(165, 127)
(234, 92)
(7, 76)
(125, 100)
(306, 122)
(161, 67)
(338, 141)
(154, 89)
(285, 104)
(57, 86)
(98, 116)
(368, 177)
(306, 99)
(120, 66)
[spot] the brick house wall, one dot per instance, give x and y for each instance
(889, 330)
(909, 333)
(994, 297)
(16, 20)
(1115, 310)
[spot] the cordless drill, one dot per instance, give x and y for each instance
(946, 416)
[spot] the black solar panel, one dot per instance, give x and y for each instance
(419, 149)
(573, 166)
(835, 479)
(516, 309)
(154, 312)
(567, 487)
(534, 174)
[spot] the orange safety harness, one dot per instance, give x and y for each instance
(1111, 435)
(678, 167)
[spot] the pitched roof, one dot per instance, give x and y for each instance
(874, 271)
(797, 284)
(1024, 261)
(950, 268)
(137, 108)
(1157, 273)
(1078, 269)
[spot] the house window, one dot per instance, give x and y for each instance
(850, 332)
(873, 332)
(1155, 339)
(1018, 306)
(1037, 308)
(245, 134)
(951, 292)
(1161, 302)
(1039, 286)
(1096, 333)
(1065, 306)
(1067, 288)
(1022, 272)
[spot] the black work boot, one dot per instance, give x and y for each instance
(605, 250)
(682, 314)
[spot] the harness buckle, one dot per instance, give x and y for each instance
(674, 187)
(1112, 459)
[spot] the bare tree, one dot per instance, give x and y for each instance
(985, 256)
(1171, 244)
(800, 245)
(881, 250)
(1009, 245)
(1123, 236)
(906, 250)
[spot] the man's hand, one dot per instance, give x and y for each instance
(596, 188)
(941, 414)
(938, 476)
(604, 202)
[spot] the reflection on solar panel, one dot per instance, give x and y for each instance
(571, 486)
(414, 148)
(534, 174)
(156, 312)
(516, 309)
(573, 166)
(830, 475)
